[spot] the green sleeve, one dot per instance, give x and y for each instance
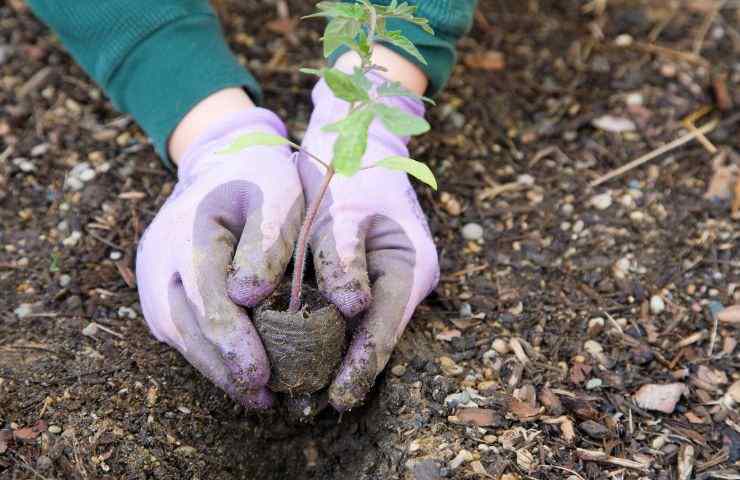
(155, 59)
(450, 19)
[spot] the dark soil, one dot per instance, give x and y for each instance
(525, 361)
(304, 348)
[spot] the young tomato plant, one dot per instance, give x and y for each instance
(358, 27)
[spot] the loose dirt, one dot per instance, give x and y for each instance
(552, 313)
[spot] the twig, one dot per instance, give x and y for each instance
(656, 153)
(669, 52)
(690, 123)
(601, 457)
(706, 25)
(713, 337)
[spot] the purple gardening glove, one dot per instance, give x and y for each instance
(224, 237)
(373, 251)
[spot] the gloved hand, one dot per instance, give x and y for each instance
(373, 251)
(224, 237)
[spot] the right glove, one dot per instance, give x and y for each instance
(223, 239)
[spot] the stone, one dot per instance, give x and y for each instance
(657, 304)
(472, 231)
(501, 346)
(64, 280)
(602, 201)
(23, 310)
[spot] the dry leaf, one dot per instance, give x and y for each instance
(29, 434)
(490, 60)
(661, 398)
(551, 401)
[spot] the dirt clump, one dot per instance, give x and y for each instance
(304, 347)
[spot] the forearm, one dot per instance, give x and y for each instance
(148, 56)
(450, 19)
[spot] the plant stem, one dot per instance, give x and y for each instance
(302, 244)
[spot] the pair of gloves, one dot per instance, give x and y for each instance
(224, 238)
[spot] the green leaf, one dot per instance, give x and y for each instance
(359, 79)
(312, 71)
(344, 87)
(395, 89)
(339, 31)
(252, 140)
(398, 39)
(416, 169)
(400, 122)
(351, 143)
(340, 10)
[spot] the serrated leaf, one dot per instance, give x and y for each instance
(398, 39)
(253, 140)
(359, 78)
(416, 169)
(339, 31)
(351, 143)
(319, 72)
(395, 89)
(339, 10)
(344, 87)
(400, 122)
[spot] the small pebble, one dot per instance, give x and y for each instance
(186, 451)
(593, 347)
(55, 429)
(398, 370)
(594, 383)
(623, 40)
(90, 330)
(87, 175)
(115, 255)
(567, 209)
(657, 304)
(602, 201)
(40, 149)
(23, 310)
(525, 179)
(72, 239)
(127, 312)
(501, 346)
(184, 410)
(472, 231)
(64, 280)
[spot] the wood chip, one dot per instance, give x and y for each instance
(516, 347)
(685, 462)
(730, 315)
(481, 417)
(490, 60)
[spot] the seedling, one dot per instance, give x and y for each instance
(358, 27)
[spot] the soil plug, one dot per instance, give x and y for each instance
(305, 342)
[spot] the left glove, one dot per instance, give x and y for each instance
(373, 252)
(224, 237)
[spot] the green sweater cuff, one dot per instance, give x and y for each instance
(449, 22)
(171, 71)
